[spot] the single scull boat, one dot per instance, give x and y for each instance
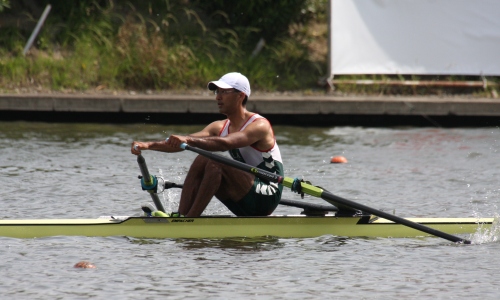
(344, 218)
(289, 226)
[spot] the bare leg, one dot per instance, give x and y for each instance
(207, 178)
(192, 184)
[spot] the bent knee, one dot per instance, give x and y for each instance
(200, 159)
(213, 166)
(208, 164)
(204, 161)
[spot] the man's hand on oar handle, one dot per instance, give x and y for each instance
(175, 141)
(137, 147)
(171, 144)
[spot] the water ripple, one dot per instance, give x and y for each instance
(86, 170)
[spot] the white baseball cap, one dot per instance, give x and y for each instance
(232, 80)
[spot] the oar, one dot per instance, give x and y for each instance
(320, 193)
(149, 183)
(294, 203)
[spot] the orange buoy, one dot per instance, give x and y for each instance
(338, 160)
(84, 265)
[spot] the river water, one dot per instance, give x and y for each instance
(86, 170)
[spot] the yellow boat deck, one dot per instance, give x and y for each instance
(296, 226)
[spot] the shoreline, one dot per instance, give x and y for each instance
(294, 108)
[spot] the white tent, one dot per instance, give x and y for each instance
(423, 37)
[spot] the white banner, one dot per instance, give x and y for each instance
(435, 37)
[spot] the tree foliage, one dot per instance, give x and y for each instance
(159, 44)
(269, 18)
(251, 20)
(4, 4)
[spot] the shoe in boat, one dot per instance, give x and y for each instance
(161, 214)
(148, 209)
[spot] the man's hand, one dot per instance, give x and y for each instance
(175, 141)
(137, 147)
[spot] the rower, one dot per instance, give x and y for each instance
(248, 137)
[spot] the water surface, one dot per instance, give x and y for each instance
(86, 170)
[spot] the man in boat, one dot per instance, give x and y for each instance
(248, 137)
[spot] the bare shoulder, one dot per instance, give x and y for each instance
(261, 124)
(211, 129)
(261, 134)
(215, 127)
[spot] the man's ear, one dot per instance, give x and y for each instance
(241, 95)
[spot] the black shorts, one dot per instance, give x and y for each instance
(261, 200)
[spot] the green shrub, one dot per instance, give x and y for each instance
(165, 45)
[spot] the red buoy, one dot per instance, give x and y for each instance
(338, 160)
(84, 265)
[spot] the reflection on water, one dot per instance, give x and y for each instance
(253, 244)
(243, 244)
(235, 243)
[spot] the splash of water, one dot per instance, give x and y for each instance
(169, 200)
(486, 234)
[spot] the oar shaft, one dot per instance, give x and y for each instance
(236, 164)
(148, 181)
(294, 203)
(336, 199)
(320, 193)
(341, 202)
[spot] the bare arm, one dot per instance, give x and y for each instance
(163, 146)
(258, 134)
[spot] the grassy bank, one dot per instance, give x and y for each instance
(177, 46)
(123, 48)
